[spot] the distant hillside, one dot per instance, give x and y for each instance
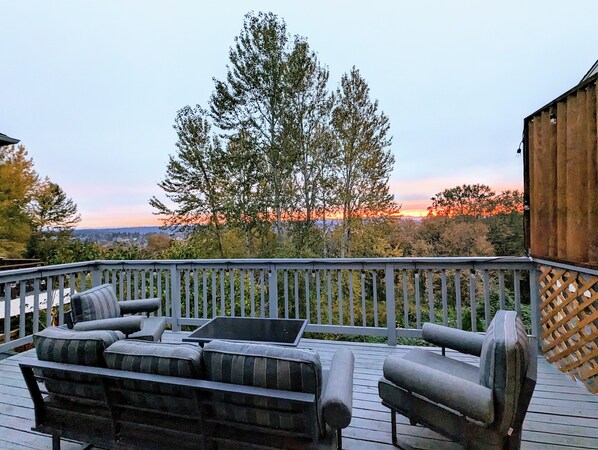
(80, 232)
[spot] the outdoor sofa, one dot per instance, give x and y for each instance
(97, 387)
(480, 407)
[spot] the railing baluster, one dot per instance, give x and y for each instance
(286, 294)
(121, 276)
(204, 291)
(175, 289)
(351, 307)
(233, 304)
(296, 287)
(21, 309)
(135, 293)
(159, 293)
(142, 284)
(252, 291)
(417, 301)
(196, 293)
(444, 298)
(242, 292)
(214, 288)
(49, 301)
(167, 296)
(458, 298)
(60, 299)
(307, 310)
(318, 298)
(222, 294)
(187, 294)
(517, 290)
(152, 292)
(363, 307)
(339, 276)
(405, 300)
(7, 299)
(375, 295)
(128, 287)
(389, 285)
(262, 295)
(430, 280)
(472, 302)
(36, 305)
(487, 311)
(501, 288)
(329, 296)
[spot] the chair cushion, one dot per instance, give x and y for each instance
(85, 348)
(441, 363)
(503, 364)
(177, 360)
(268, 367)
(96, 303)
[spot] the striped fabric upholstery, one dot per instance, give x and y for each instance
(268, 367)
(178, 360)
(96, 303)
(85, 348)
(503, 364)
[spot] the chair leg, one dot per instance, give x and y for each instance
(339, 439)
(55, 441)
(393, 425)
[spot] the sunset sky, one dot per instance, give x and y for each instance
(92, 88)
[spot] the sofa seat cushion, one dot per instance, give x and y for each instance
(268, 367)
(503, 364)
(177, 360)
(85, 348)
(95, 303)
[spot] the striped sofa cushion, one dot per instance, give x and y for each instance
(85, 348)
(268, 367)
(503, 364)
(177, 360)
(96, 303)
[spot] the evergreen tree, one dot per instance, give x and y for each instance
(365, 160)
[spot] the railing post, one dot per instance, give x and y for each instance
(391, 321)
(273, 292)
(96, 276)
(534, 288)
(175, 298)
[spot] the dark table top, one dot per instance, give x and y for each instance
(250, 329)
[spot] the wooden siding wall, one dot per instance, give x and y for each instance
(562, 183)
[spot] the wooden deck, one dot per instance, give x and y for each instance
(562, 413)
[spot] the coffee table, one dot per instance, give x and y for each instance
(256, 330)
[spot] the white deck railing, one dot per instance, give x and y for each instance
(386, 297)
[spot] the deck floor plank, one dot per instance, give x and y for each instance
(562, 413)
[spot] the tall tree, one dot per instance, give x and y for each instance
(194, 177)
(254, 98)
(18, 180)
(307, 132)
(365, 159)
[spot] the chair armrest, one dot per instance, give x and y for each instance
(126, 325)
(337, 400)
(470, 399)
(145, 305)
(462, 341)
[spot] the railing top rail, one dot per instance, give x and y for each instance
(585, 270)
(43, 270)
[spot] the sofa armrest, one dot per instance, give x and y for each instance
(126, 325)
(145, 305)
(337, 400)
(462, 341)
(470, 399)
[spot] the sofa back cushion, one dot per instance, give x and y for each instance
(85, 348)
(176, 360)
(267, 367)
(503, 365)
(95, 303)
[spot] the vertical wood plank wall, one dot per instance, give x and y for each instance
(563, 178)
